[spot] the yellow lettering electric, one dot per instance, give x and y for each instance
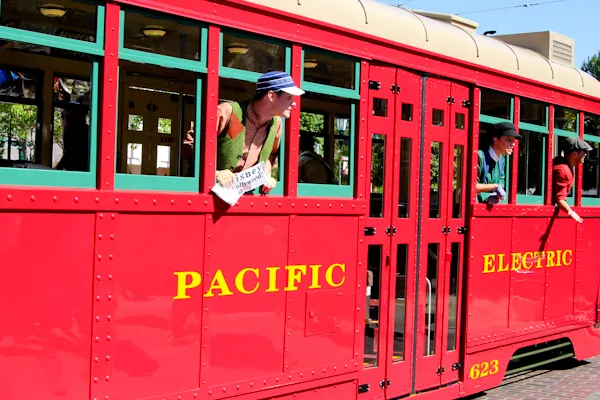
(250, 281)
(526, 262)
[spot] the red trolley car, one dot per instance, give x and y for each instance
(124, 277)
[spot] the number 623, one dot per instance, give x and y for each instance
(483, 369)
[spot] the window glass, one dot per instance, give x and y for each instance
(495, 104)
(532, 151)
(325, 125)
(372, 306)
(252, 55)
(157, 116)
(533, 112)
(65, 18)
(161, 36)
(404, 196)
(328, 69)
(377, 175)
(25, 113)
(592, 125)
(566, 119)
(591, 172)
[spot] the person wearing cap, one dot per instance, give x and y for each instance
(574, 153)
(250, 132)
(490, 169)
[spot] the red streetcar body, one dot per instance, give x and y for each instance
(132, 280)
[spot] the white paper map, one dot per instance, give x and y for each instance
(245, 181)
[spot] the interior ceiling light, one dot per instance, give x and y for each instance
(154, 31)
(52, 10)
(237, 48)
(310, 63)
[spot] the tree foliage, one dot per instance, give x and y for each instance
(18, 122)
(591, 65)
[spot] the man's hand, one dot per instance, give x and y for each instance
(575, 216)
(225, 178)
(271, 183)
(501, 193)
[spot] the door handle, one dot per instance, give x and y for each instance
(369, 231)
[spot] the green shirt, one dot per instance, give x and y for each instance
(495, 174)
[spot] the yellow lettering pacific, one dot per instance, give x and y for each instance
(249, 281)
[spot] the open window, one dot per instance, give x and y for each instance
(244, 58)
(328, 125)
(496, 107)
(161, 67)
(533, 146)
(50, 59)
(591, 168)
(566, 124)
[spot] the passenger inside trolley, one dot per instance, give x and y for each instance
(250, 132)
(574, 151)
(491, 172)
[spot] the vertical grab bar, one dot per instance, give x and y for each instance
(429, 291)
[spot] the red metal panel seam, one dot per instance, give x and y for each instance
(472, 196)
(103, 306)
(360, 292)
(108, 104)
(550, 148)
(514, 171)
(204, 350)
(293, 130)
(362, 132)
(579, 176)
(209, 144)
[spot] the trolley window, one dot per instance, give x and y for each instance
(566, 124)
(244, 58)
(161, 67)
(331, 82)
(591, 168)
(533, 124)
(495, 107)
(64, 43)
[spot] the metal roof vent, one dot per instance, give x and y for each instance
(557, 48)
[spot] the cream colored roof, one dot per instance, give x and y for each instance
(406, 27)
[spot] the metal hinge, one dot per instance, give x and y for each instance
(391, 230)
(461, 230)
(385, 383)
(364, 388)
(456, 366)
(370, 231)
(466, 103)
(450, 100)
(441, 370)
(395, 88)
(374, 85)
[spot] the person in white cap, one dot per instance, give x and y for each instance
(250, 132)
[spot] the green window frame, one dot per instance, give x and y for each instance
(507, 167)
(125, 181)
(327, 190)
(56, 178)
(565, 134)
(544, 131)
(591, 201)
(252, 77)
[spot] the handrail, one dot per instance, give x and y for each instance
(429, 291)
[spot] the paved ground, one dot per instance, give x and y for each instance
(566, 379)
